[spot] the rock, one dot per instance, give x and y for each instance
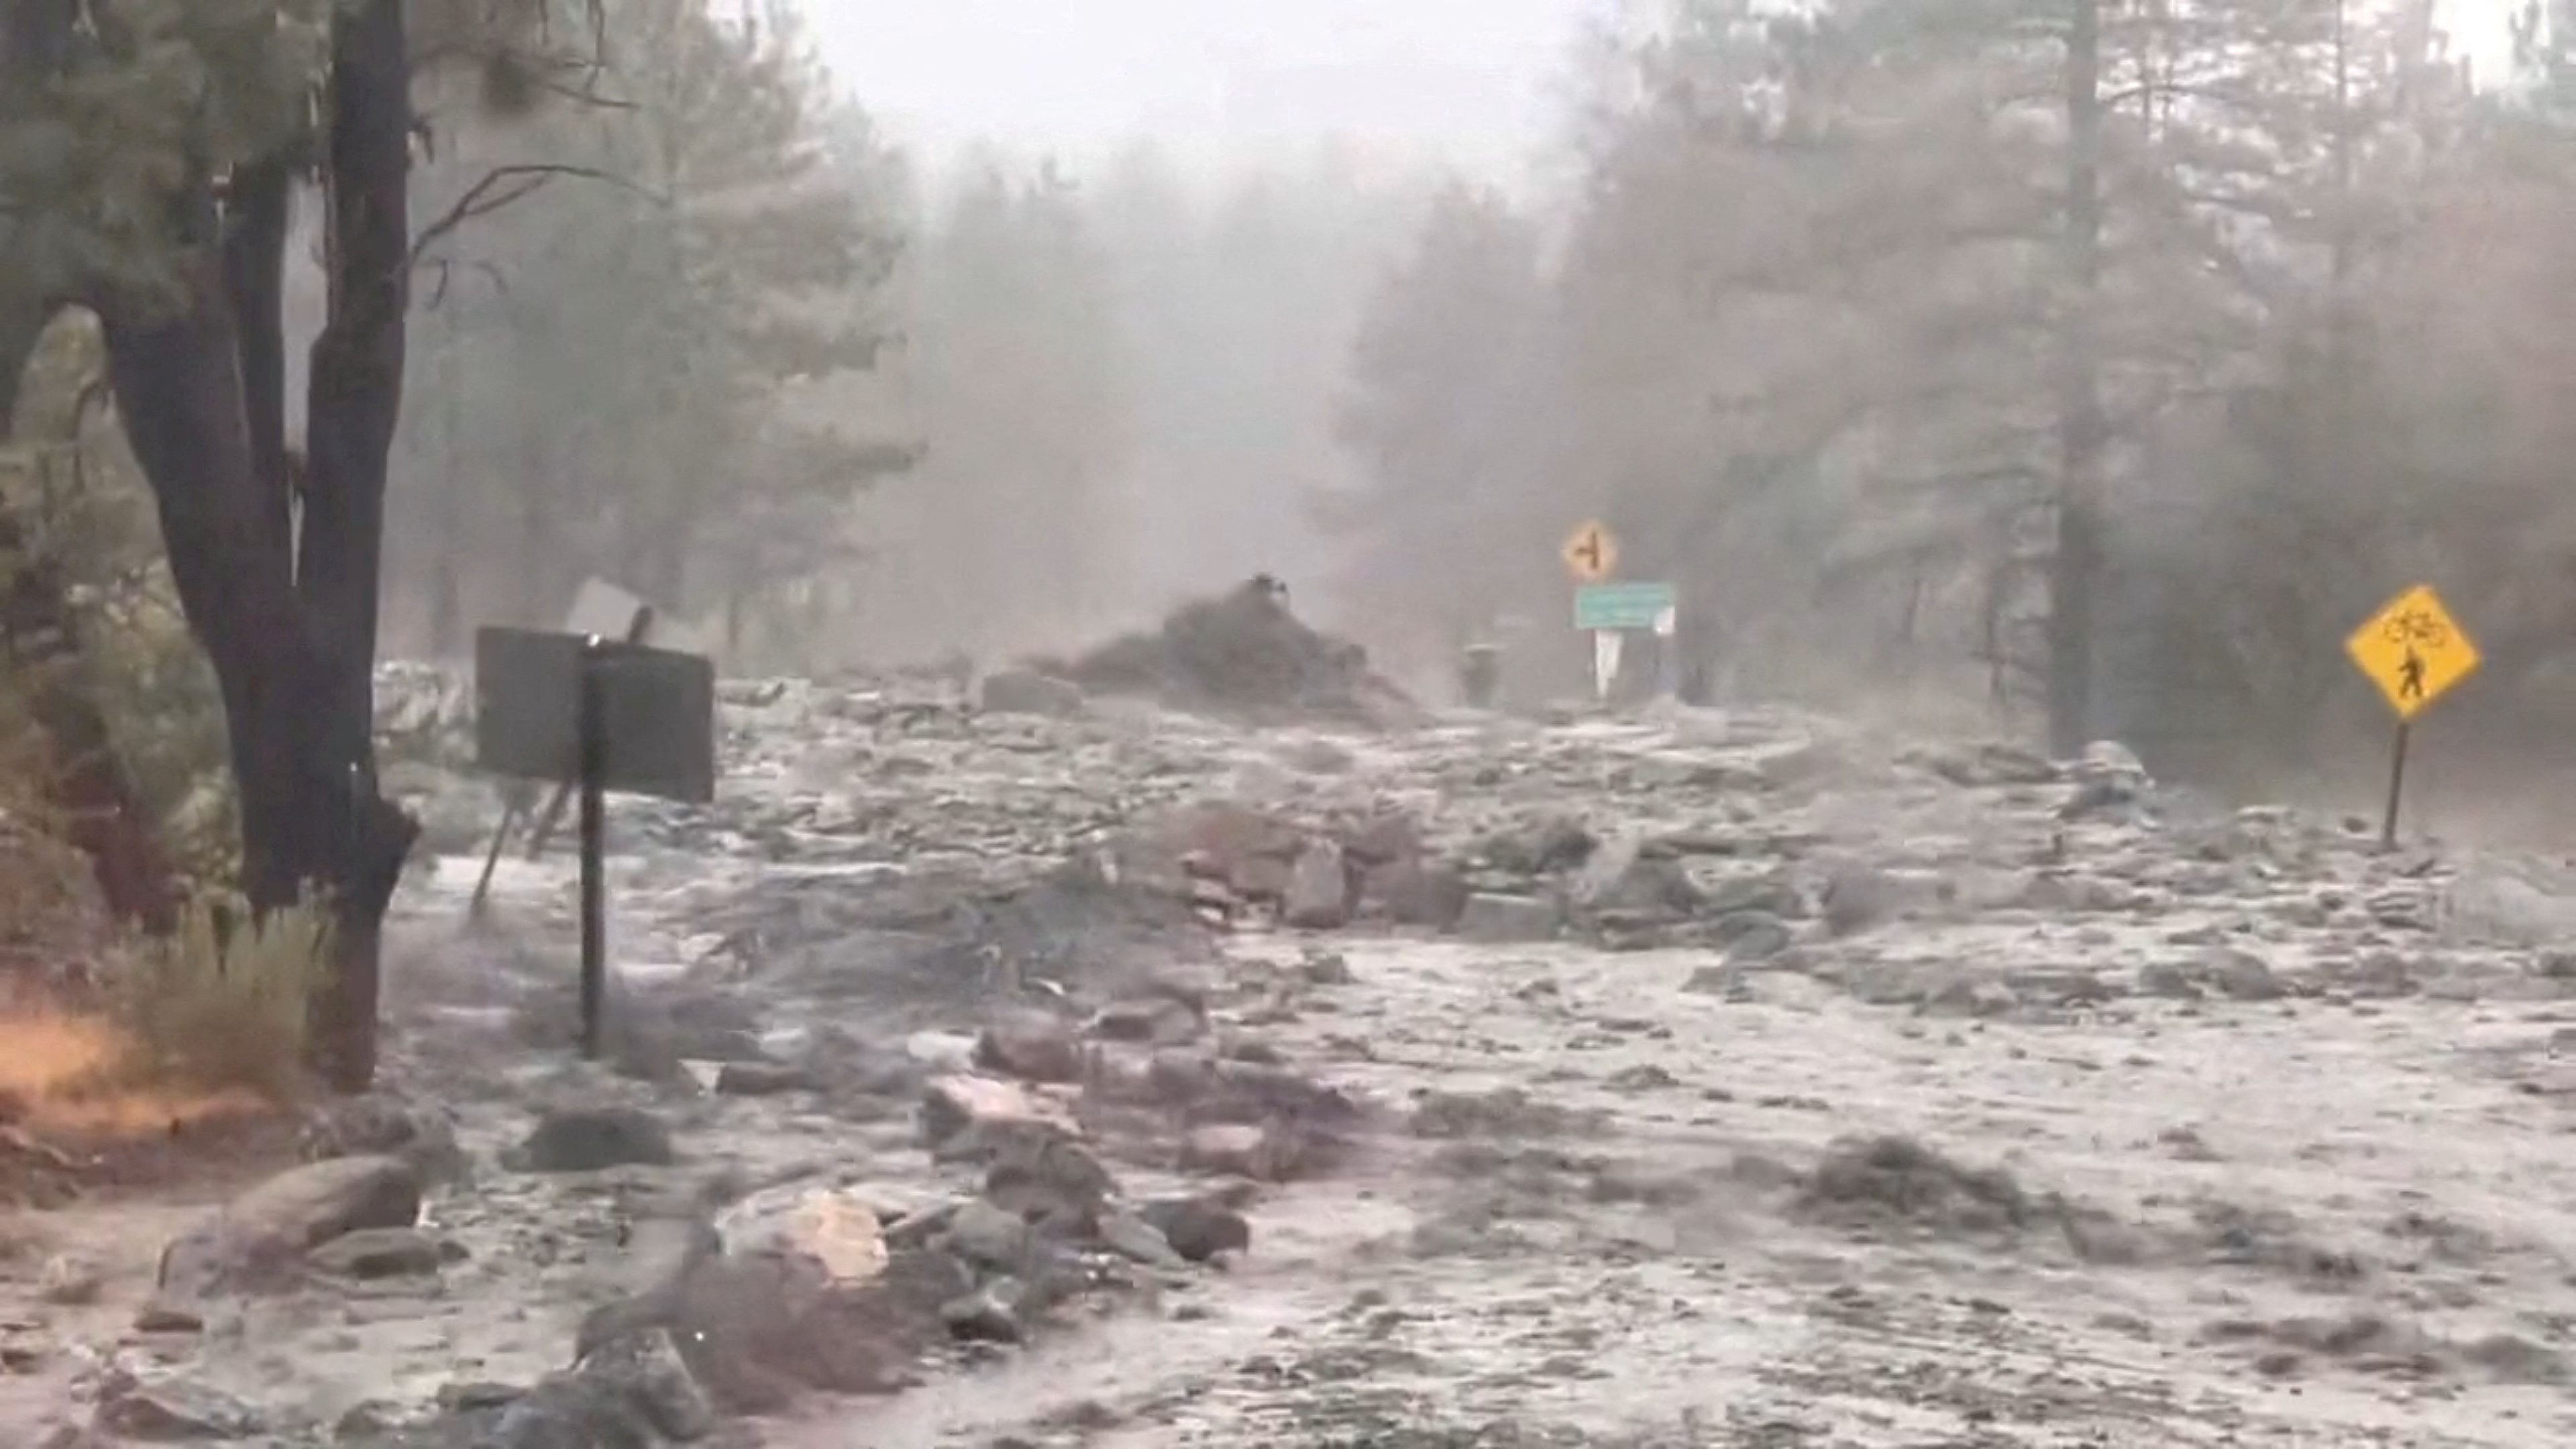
(1156, 1021)
(1382, 840)
(2241, 975)
(1498, 920)
(1133, 1236)
(259, 1239)
(593, 1139)
(1049, 1177)
(761, 1079)
(1773, 894)
(2108, 779)
(1754, 936)
(1264, 1153)
(832, 1226)
(1416, 893)
(1319, 889)
(1963, 996)
(986, 1234)
(991, 1314)
(160, 1316)
(952, 1106)
(634, 1393)
(1320, 967)
(2167, 980)
(1554, 846)
(1026, 691)
(70, 1280)
(759, 1329)
(1233, 843)
(1858, 897)
(1032, 1046)
(380, 1253)
(1654, 887)
(379, 1125)
(1198, 1228)
(175, 1412)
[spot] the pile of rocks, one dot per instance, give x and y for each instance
(1245, 656)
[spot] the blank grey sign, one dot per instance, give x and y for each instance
(657, 712)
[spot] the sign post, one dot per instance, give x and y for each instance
(2414, 652)
(594, 849)
(1606, 610)
(606, 715)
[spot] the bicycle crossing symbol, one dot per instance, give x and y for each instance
(2413, 650)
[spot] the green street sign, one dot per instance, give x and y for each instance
(1623, 606)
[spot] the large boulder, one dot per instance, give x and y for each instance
(258, 1241)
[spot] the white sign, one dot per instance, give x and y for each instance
(604, 609)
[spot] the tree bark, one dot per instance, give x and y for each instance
(290, 622)
(353, 402)
(2083, 431)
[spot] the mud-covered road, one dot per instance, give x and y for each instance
(1698, 1078)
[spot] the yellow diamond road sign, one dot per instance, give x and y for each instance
(1591, 553)
(2413, 651)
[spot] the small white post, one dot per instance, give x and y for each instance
(1605, 662)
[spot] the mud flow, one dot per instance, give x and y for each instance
(1076, 1059)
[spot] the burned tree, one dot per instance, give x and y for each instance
(151, 152)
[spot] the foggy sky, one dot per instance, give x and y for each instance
(1475, 82)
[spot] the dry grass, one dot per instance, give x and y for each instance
(224, 1003)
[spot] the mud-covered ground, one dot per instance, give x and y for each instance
(1698, 1078)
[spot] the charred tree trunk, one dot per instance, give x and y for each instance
(290, 622)
(2083, 431)
(351, 836)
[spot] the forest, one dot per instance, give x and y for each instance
(2087, 367)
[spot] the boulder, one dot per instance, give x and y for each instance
(953, 1106)
(1318, 897)
(833, 1227)
(1416, 893)
(592, 1139)
(258, 1241)
(380, 1253)
(1199, 1228)
(1032, 1046)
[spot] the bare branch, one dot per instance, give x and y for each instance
(503, 185)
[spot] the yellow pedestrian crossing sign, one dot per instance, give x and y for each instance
(2413, 650)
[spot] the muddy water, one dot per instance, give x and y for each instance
(2308, 1224)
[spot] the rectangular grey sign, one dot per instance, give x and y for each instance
(657, 712)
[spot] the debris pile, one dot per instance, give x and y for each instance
(1243, 655)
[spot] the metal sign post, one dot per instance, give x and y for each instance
(594, 848)
(605, 715)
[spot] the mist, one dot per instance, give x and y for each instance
(1795, 302)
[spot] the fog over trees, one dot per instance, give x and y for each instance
(2000, 354)
(2082, 367)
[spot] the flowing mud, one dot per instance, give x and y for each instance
(1094, 1075)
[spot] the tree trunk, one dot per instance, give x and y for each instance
(2083, 432)
(352, 837)
(290, 623)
